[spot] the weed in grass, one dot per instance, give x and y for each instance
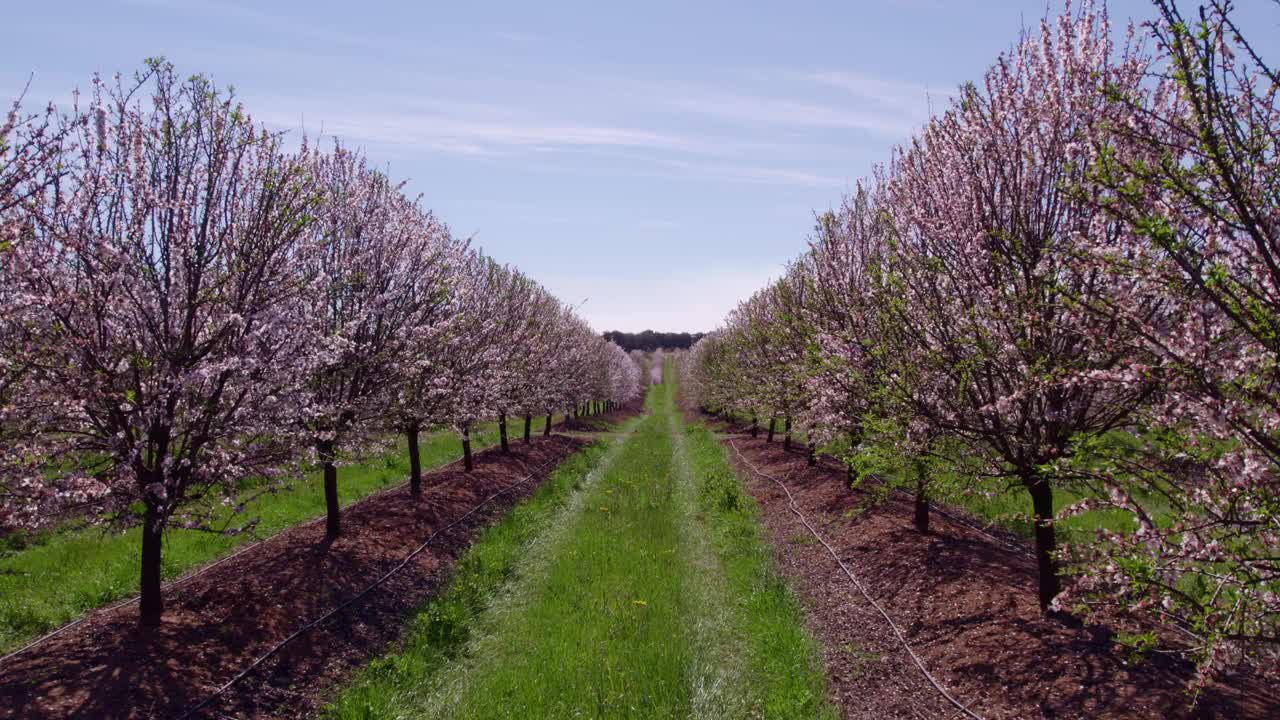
(802, 539)
(859, 658)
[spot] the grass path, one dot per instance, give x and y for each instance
(60, 576)
(646, 593)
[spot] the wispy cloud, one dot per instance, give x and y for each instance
(908, 99)
(519, 38)
(756, 111)
(302, 27)
(757, 174)
(471, 135)
(788, 134)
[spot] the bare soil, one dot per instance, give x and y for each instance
(966, 605)
(220, 621)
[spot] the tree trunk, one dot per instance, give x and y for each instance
(813, 453)
(922, 500)
(466, 448)
(332, 523)
(853, 443)
(1046, 539)
(755, 426)
(786, 442)
(546, 429)
(528, 427)
(415, 459)
(773, 422)
(502, 433)
(151, 604)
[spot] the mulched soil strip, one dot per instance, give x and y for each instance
(966, 604)
(220, 621)
(604, 422)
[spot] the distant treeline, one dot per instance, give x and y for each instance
(650, 340)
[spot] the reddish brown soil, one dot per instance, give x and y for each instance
(967, 606)
(601, 422)
(218, 622)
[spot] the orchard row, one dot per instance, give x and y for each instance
(1070, 279)
(192, 310)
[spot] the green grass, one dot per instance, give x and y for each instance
(1011, 508)
(56, 577)
(645, 593)
(442, 627)
(783, 678)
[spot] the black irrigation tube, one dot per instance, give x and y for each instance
(858, 584)
(358, 596)
(169, 586)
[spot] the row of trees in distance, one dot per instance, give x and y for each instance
(650, 340)
(189, 304)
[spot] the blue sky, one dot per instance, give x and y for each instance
(660, 160)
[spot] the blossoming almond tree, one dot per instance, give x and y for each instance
(422, 400)
(162, 263)
(1194, 172)
(768, 366)
(860, 383)
(623, 377)
(844, 358)
(379, 274)
(520, 321)
(545, 339)
(30, 147)
(476, 349)
(572, 361)
(989, 230)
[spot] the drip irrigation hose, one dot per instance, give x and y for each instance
(933, 507)
(858, 584)
(358, 596)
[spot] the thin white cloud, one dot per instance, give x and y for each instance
(909, 99)
(756, 111)
(758, 174)
(653, 166)
(519, 38)
(689, 128)
(470, 135)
